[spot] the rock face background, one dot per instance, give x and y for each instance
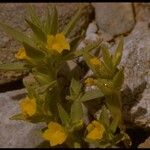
(111, 19)
(114, 18)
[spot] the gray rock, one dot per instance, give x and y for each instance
(14, 15)
(136, 60)
(145, 144)
(16, 134)
(113, 19)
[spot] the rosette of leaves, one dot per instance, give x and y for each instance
(44, 65)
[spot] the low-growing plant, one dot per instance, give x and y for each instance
(61, 106)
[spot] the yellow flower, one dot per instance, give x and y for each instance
(95, 61)
(95, 130)
(21, 54)
(57, 42)
(89, 81)
(55, 134)
(28, 106)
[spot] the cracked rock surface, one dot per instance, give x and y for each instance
(114, 18)
(136, 60)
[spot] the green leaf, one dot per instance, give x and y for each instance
(117, 139)
(30, 89)
(106, 86)
(42, 78)
(127, 140)
(19, 36)
(113, 103)
(33, 52)
(46, 86)
(82, 51)
(63, 115)
(48, 22)
(76, 111)
(37, 31)
(118, 53)
(104, 117)
(33, 15)
(13, 66)
(118, 79)
(107, 57)
(101, 70)
(91, 95)
(113, 126)
(75, 87)
(73, 21)
(77, 145)
(75, 42)
(53, 27)
(18, 117)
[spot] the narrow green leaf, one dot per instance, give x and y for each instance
(53, 27)
(43, 78)
(77, 145)
(19, 36)
(63, 115)
(107, 57)
(33, 52)
(17, 117)
(33, 15)
(47, 85)
(73, 21)
(48, 22)
(76, 112)
(127, 140)
(37, 31)
(113, 126)
(117, 139)
(106, 86)
(91, 95)
(118, 53)
(75, 42)
(113, 103)
(104, 116)
(13, 66)
(75, 87)
(118, 79)
(82, 51)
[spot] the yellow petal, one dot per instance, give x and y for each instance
(47, 134)
(60, 37)
(89, 81)
(54, 126)
(21, 54)
(50, 39)
(90, 127)
(98, 125)
(95, 61)
(66, 45)
(95, 130)
(57, 47)
(55, 134)
(95, 134)
(57, 42)
(28, 106)
(58, 138)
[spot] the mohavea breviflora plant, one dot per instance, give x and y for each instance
(59, 105)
